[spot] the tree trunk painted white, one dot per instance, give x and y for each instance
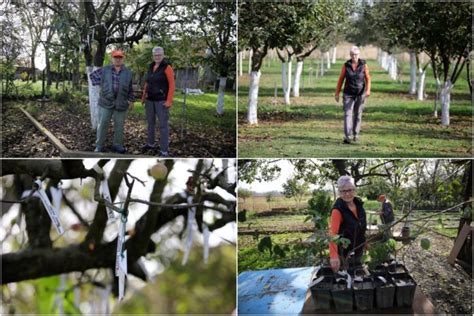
(253, 97)
(250, 61)
(334, 54)
(220, 96)
(298, 72)
(286, 80)
(321, 65)
(421, 85)
(328, 60)
(445, 95)
(437, 97)
(412, 73)
(392, 68)
(379, 56)
(94, 92)
(241, 57)
(384, 60)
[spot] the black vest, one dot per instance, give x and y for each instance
(355, 80)
(351, 227)
(157, 83)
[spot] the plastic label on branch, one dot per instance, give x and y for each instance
(120, 243)
(206, 234)
(105, 192)
(49, 208)
(189, 230)
(122, 274)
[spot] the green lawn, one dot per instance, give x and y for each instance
(394, 123)
(199, 111)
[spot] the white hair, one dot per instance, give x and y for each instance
(355, 50)
(157, 49)
(345, 181)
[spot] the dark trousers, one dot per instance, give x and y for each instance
(157, 109)
(353, 107)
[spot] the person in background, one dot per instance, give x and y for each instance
(386, 214)
(116, 97)
(356, 78)
(157, 96)
(348, 220)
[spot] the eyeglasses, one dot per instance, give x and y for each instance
(158, 55)
(347, 191)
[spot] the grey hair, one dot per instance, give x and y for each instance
(157, 49)
(355, 50)
(345, 181)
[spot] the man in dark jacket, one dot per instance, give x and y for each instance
(386, 214)
(116, 97)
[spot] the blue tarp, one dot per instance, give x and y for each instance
(276, 291)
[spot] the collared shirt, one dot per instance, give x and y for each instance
(96, 77)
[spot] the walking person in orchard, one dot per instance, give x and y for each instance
(356, 78)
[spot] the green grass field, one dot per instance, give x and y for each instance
(199, 110)
(394, 124)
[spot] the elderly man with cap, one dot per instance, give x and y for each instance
(116, 97)
(355, 73)
(386, 214)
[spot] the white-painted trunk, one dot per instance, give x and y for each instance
(421, 85)
(220, 95)
(392, 68)
(412, 73)
(298, 72)
(384, 61)
(253, 97)
(94, 92)
(437, 97)
(321, 65)
(286, 80)
(328, 60)
(379, 56)
(250, 61)
(334, 54)
(445, 95)
(241, 58)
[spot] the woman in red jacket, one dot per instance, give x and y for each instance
(158, 95)
(348, 220)
(355, 73)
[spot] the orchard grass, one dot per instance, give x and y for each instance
(200, 109)
(394, 123)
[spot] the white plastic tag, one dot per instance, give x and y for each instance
(189, 229)
(122, 274)
(120, 243)
(49, 208)
(104, 191)
(205, 234)
(57, 195)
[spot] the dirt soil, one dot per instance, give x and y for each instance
(72, 127)
(448, 287)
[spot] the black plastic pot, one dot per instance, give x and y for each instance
(384, 292)
(364, 294)
(397, 268)
(321, 293)
(405, 289)
(342, 296)
(325, 271)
